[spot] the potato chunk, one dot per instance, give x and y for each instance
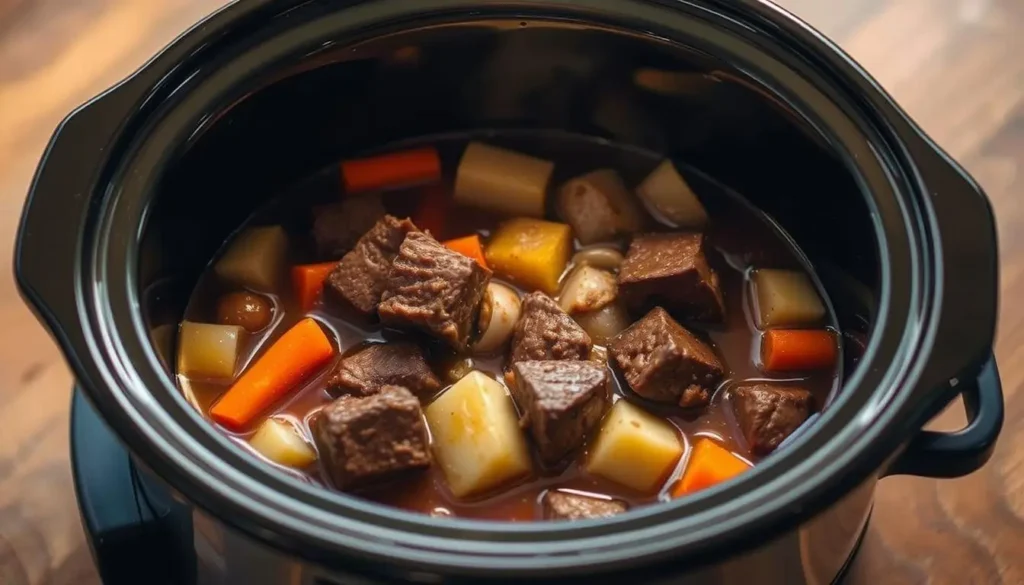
(255, 258)
(531, 252)
(280, 441)
(634, 448)
(476, 435)
(786, 298)
(208, 351)
(598, 207)
(667, 192)
(502, 180)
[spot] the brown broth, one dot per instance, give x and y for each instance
(741, 235)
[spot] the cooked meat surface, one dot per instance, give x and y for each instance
(672, 270)
(561, 401)
(663, 361)
(434, 289)
(338, 226)
(363, 440)
(768, 413)
(545, 332)
(598, 207)
(384, 364)
(361, 276)
(559, 505)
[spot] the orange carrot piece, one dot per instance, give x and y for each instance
(388, 171)
(786, 350)
(469, 246)
(709, 464)
(295, 356)
(432, 212)
(308, 281)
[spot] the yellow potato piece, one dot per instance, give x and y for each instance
(208, 351)
(634, 448)
(280, 441)
(786, 298)
(476, 435)
(531, 252)
(255, 258)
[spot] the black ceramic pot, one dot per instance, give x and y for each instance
(139, 187)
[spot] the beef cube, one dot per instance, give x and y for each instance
(768, 413)
(671, 269)
(369, 439)
(545, 332)
(662, 361)
(598, 207)
(361, 276)
(434, 289)
(560, 505)
(337, 227)
(561, 402)
(384, 364)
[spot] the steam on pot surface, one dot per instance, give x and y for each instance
(520, 325)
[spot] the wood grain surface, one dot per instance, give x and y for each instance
(956, 65)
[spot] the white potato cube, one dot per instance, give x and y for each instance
(255, 258)
(668, 193)
(208, 351)
(634, 448)
(476, 435)
(502, 181)
(281, 442)
(786, 298)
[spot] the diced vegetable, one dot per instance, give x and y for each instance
(634, 448)
(501, 180)
(531, 252)
(785, 298)
(598, 207)
(392, 170)
(667, 192)
(294, 357)
(498, 315)
(587, 289)
(476, 436)
(208, 351)
(598, 354)
(279, 441)
(457, 369)
(601, 257)
(605, 323)
(788, 350)
(470, 247)
(249, 311)
(308, 282)
(709, 464)
(255, 258)
(432, 211)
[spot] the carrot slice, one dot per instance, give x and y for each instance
(295, 356)
(308, 281)
(432, 212)
(709, 464)
(469, 246)
(392, 170)
(786, 350)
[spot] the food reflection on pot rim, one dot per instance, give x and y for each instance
(473, 330)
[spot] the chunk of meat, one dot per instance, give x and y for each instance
(662, 361)
(598, 207)
(365, 440)
(561, 401)
(361, 276)
(559, 505)
(384, 364)
(338, 226)
(671, 270)
(545, 332)
(768, 413)
(434, 289)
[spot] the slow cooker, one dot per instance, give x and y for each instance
(139, 187)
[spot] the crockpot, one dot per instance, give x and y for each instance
(139, 187)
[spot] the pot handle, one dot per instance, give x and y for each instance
(946, 455)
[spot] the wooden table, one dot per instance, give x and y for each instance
(956, 65)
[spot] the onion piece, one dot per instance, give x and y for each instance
(604, 324)
(500, 311)
(602, 257)
(587, 289)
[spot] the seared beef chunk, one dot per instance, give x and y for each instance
(362, 274)
(663, 361)
(337, 227)
(569, 506)
(545, 332)
(383, 364)
(671, 269)
(366, 439)
(434, 289)
(561, 401)
(768, 413)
